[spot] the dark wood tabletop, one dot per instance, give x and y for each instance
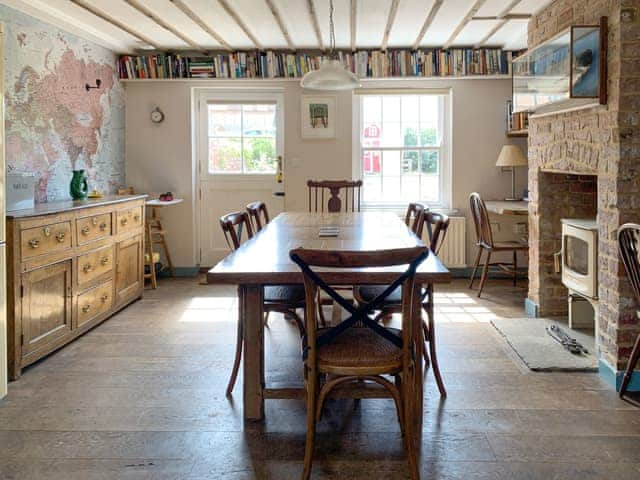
(264, 259)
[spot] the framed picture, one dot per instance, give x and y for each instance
(588, 61)
(319, 116)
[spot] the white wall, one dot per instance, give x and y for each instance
(159, 158)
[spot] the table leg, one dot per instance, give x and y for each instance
(251, 298)
(418, 373)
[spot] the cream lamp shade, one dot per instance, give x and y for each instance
(511, 156)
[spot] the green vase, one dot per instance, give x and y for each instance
(79, 187)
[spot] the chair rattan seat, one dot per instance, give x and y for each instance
(362, 349)
(284, 294)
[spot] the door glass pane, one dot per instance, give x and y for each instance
(259, 120)
(225, 155)
(259, 154)
(225, 120)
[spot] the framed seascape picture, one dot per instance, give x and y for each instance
(318, 116)
(588, 61)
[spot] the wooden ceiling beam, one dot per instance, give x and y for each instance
(467, 18)
(280, 22)
(353, 17)
(511, 16)
(243, 26)
(313, 16)
(393, 10)
(504, 16)
(184, 8)
(427, 23)
(114, 21)
(159, 21)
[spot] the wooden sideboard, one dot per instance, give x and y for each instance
(70, 265)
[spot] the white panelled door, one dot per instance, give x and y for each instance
(240, 134)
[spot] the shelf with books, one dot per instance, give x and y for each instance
(517, 133)
(279, 65)
(516, 124)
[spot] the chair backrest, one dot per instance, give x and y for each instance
(629, 247)
(414, 218)
(306, 259)
(258, 214)
(480, 215)
(233, 225)
(437, 226)
(342, 195)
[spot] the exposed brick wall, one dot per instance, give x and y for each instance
(602, 141)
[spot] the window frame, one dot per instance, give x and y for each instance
(208, 96)
(445, 148)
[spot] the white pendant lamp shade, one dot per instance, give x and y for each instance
(331, 76)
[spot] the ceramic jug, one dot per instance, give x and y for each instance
(79, 187)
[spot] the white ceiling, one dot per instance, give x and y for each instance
(125, 25)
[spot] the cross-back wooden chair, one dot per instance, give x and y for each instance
(258, 213)
(359, 348)
(283, 299)
(629, 247)
(484, 242)
(339, 195)
(437, 224)
(414, 218)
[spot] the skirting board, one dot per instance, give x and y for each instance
(181, 272)
(614, 377)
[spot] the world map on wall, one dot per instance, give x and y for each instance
(53, 124)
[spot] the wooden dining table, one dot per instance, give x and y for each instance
(264, 260)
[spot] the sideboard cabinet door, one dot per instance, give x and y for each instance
(46, 307)
(129, 269)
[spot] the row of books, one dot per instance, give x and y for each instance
(516, 121)
(365, 64)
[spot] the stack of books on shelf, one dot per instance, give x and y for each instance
(516, 121)
(365, 64)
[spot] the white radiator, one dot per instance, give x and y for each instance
(452, 253)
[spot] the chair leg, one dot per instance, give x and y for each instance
(425, 340)
(485, 272)
(236, 361)
(431, 339)
(475, 266)
(409, 438)
(312, 384)
(633, 360)
(515, 268)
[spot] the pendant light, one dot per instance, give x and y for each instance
(331, 75)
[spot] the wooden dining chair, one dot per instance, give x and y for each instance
(340, 195)
(283, 299)
(629, 247)
(258, 214)
(359, 349)
(437, 224)
(484, 242)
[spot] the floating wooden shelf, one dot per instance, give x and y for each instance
(518, 133)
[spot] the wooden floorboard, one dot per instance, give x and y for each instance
(142, 397)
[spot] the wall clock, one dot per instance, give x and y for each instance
(157, 116)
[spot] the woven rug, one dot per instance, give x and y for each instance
(539, 351)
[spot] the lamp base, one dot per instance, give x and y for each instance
(513, 199)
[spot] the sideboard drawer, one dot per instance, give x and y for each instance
(93, 228)
(127, 220)
(94, 264)
(45, 239)
(94, 302)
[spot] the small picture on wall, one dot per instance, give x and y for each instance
(585, 62)
(318, 116)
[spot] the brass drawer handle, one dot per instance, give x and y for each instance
(47, 231)
(86, 308)
(85, 230)
(104, 298)
(34, 243)
(124, 221)
(60, 237)
(87, 268)
(94, 221)
(103, 226)
(104, 260)
(136, 218)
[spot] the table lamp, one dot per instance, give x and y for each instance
(511, 156)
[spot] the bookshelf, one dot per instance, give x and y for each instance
(263, 65)
(517, 123)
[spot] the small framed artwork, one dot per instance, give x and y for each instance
(588, 61)
(319, 116)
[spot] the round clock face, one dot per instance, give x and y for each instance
(157, 116)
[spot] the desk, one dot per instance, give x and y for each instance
(502, 207)
(264, 260)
